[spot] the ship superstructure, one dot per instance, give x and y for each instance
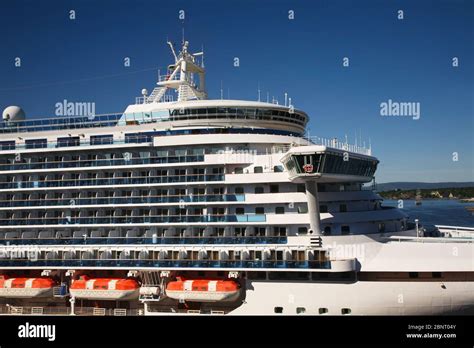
(186, 205)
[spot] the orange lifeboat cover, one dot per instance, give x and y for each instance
(202, 285)
(37, 283)
(103, 283)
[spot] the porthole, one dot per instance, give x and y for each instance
(345, 311)
(278, 309)
(323, 310)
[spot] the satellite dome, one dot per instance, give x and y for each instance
(13, 113)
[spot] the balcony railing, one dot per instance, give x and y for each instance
(112, 181)
(168, 263)
(103, 162)
(123, 200)
(132, 220)
(146, 240)
(334, 143)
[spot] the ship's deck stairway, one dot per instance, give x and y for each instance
(156, 94)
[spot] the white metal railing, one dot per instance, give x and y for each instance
(428, 239)
(16, 310)
(334, 143)
(456, 231)
(120, 312)
(167, 77)
(98, 311)
(36, 310)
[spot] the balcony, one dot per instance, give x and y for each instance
(123, 200)
(102, 163)
(112, 220)
(112, 181)
(146, 240)
(179, 263)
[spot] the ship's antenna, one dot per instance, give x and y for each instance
(222, 91)
(202, 61)
(268, 97)
(286, 98)
(172, 51)
(258, 91)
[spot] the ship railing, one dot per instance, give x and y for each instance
(167, 77)
(123, 119)
(167, 98)
(113, 181)
(77, 143)
(144, 219)
(103, 162)
(146, 240)
(168, 263)
(334, 143)
(428, 239)
(51, 202)
(63, 310)
(59, 123)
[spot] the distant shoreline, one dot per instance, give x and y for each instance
(462, 194)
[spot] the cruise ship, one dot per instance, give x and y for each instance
(182, 205)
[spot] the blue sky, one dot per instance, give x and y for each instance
(407, 60)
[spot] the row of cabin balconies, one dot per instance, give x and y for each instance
(247, 257)
(150, 235)
(134, 157)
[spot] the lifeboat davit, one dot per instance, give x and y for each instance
(26, 287)
(203, 290)
(104, 288)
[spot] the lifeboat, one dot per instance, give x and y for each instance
(26, 287)
(203, 290)
(104, 288)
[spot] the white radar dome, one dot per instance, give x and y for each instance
(13, 113)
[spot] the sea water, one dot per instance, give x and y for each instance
(437, 212)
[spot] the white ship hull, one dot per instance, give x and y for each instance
(362, 298)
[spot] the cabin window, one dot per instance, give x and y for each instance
(101, 139)
(323, 208)
(300, 188)
(436, 274)
(278, 309)
(345, 230)
(302, 230)
(7, 145)
(381, 227)
(345, 311)
(259, 189)
(323, 310)
(278, 169)
(280, 210)
(327, 230)
(239, 190)
(300, 310)
(239, 211)
(413, 274)
(274, 189)
(258, 169)
(259, 210)
(36, 143)
(239, 170)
